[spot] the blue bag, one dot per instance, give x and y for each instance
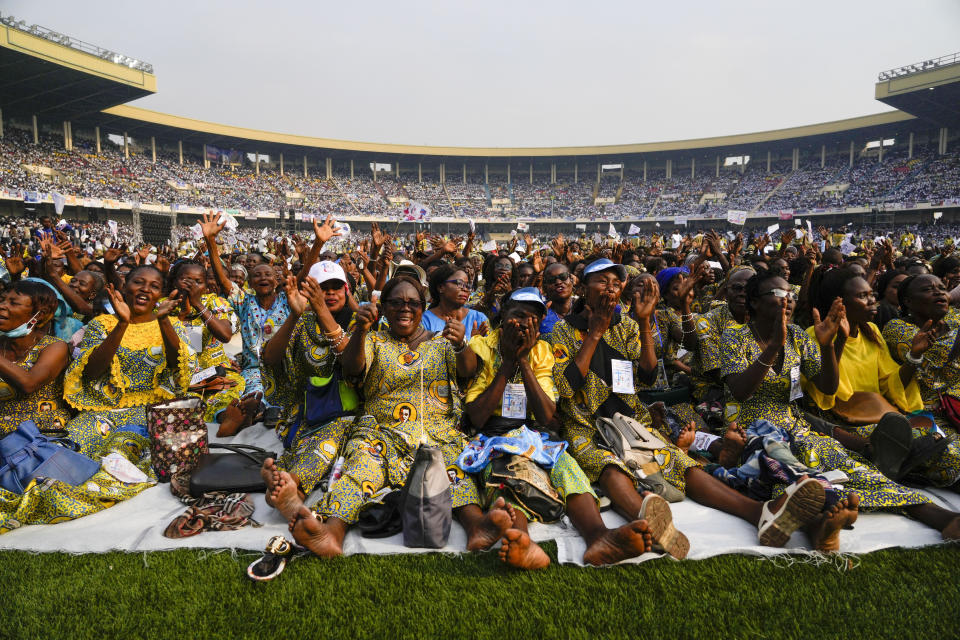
(26, 454)
(324, 400)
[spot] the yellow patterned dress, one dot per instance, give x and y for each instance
(314, 450)
(138, 376)
(585, 398)
(45, 406)
(938, 374)
(407, 393)
(47, 501)
(212, 354)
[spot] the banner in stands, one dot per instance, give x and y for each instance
(735, 216)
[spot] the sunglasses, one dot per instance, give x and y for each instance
(562, 277)
(781, 293)
(397, 305)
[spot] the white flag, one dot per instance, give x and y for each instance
(612, 232)
(773, 228)
(113, 227)
(58, 201)
(633, 230)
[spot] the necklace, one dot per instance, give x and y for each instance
(6, 347)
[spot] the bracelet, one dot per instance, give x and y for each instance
(333, 336)
(914, 361)
(463, 345)
(336, 345)
(762, 363)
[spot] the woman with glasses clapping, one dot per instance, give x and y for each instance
(449, 292)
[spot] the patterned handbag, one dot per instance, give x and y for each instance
(178, 436)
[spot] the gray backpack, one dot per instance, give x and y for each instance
(637, 446)
(425, 506)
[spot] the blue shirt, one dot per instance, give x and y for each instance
(431, 322)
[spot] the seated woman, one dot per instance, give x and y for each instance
(587, 345)
(307, 347)
(126, 361)
(410, 395)
(30, 360)
(924, 338)
(209, 322)
(31, 388)
(498, 276)
(513, 388)
(763, 361)
(887, 286)
(558, 290)
(449, 291)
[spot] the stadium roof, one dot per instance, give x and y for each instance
(928, 89)
(57, 81)
(139, 122)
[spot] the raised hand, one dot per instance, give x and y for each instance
(14, 260)
(367, 316)
(167, 306)
(326, 230)
(923, 340)
(111, 255)
(645, 298)
(210, 226)
(376, 235)
(481, 329)
(601, 316)
(454, 331)
(297, 301)
(825, 329)
(120, 307)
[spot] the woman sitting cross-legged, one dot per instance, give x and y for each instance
(763, 362)
(510, 400)
(588, 345)
(410, 395)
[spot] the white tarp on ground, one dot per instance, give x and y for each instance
(138, 525)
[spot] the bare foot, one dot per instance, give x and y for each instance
(519, 551)
(733, 442)
(283, 496)
(825, 531)
(952, 530)
(232, 420)
(658, 416)
(629, 541)
(316, 536)
(271, 477)
(251, 407)
(789, 512)
(491, 528)
(688, 434)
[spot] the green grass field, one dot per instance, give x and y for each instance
(200, 594)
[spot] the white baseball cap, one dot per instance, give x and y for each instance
(326, 270)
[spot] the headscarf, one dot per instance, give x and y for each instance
(664, 276)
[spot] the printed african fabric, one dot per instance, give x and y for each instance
(138, 376)
(45, 406)
(410, 396)
(49, 501)
(585, 398)
(771, 402)
(257, 325)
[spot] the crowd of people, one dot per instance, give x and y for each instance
(135, 177)
(790, 381)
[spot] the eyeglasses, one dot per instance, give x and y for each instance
(562, 277)
(397, 304)
(781, 293)
(463, 284)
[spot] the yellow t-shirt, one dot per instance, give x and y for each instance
(867, 366)
(540, 358)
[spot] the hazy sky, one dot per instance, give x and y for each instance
(512, 73)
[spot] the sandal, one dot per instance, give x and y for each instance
(804, 503)
(273, 561)
(656, 511)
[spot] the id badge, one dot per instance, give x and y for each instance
(796, 392)
(622, 376)
(661, 382)
(514, 402)
(195, 338)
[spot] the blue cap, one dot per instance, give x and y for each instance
(605, 264)
(529, 294)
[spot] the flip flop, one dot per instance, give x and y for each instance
(656, 511)
(804, 502)
(890, 444)
(273, 561)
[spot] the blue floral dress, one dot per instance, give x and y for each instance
(257, 325)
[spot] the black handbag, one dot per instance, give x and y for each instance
(528, 485)
(235, 472)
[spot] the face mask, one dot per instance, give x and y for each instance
(23, 329)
